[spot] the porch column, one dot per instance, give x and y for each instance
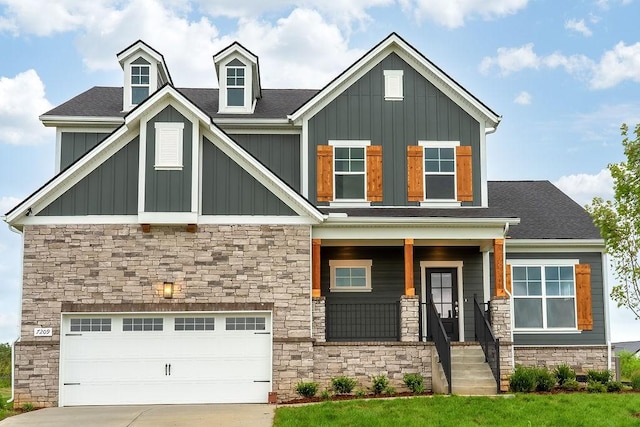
(409, 290)
(498, 267)
(315, 269)
(501, 325)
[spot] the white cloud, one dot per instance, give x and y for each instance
(510, 60)
(454, 13)
(584, 187)
(523, 98)
(578, 26)
(8, 202)
(617, 65)
(22, 99)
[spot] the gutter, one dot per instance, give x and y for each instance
(13, 344)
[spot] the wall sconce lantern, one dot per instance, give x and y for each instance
(167, 290)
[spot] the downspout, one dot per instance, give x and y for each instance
(607, 320)
(13, 345)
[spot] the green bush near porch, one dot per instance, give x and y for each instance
(576, 409)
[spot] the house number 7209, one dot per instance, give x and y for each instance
(42, 332)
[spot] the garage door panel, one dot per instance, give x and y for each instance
(168, 366)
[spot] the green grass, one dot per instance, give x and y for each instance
(578, 409)
(5, 394)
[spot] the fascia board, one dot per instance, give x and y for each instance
(564, 245)
(55, 121)
(422, 221)
(267, 178)
(366, 63)
(162, 96)
(69, 177)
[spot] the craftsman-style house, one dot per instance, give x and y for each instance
(221, 245)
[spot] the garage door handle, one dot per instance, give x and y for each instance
(262, 333)
(261, 381)
(166, 369)
(169, 369)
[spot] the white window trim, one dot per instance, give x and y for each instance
(545, 263)
(249, 104)
(350, 144)
(391, 77)
(134, 85)
(440, 203)
(178, 164)
(355, 263)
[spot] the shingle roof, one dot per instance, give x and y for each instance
(631, 346)
(545, 212)
(107, 102)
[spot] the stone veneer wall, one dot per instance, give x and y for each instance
(319, 319)
(409, 318)
(500, 310)
(105, 267)
(580, 358)
(362, 360)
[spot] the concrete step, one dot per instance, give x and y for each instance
(471, 375)
(474, 390)
(467, 358)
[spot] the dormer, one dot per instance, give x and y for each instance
(238, 80)
(144, 72)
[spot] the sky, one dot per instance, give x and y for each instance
(564, 75)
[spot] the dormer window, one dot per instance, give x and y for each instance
(139, 82)
(235, 83)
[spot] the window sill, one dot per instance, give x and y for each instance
(349, 290)
(546, 331)
(393, 98)
(440, 204)
(168, 168)
(350, 204)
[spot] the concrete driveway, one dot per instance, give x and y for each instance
(227, 415)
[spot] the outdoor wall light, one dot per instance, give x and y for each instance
(167, 290)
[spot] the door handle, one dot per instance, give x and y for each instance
(455, 309)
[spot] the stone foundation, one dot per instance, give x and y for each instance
(580, 358)
(500, 311)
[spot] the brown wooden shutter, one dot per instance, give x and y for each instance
(374, 173)
(583, 297)
(464, 174)
(415, 173)
(325, 173)
(507, 279)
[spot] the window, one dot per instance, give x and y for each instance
(350, 275)
(393, 87)
(246, 323)
(439, 172)
(169, 141)
(194, 324)
(349, 173)
(235, 86)
(90, 325)
(139, 83)
(141, 324)
(544, 296)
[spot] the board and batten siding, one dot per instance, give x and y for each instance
(111, 189)
(425, 113)
(471, 276)
(280, 153)
(74, 145)
(596, 336)
(168, 190)
(227, 189)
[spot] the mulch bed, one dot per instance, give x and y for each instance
(339, 397)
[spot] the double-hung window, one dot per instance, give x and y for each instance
(440, 170)
(139, 83)
(235, 84)
(350, 275)
(350, 170)
(544, 295)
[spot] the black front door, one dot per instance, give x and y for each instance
(442, 284)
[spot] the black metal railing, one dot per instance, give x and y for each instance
(363, 321)
(489, 343)
(437, 334)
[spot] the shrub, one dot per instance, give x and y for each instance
(325, 395)
(523, 380)
(564, 373)
(570, 385)
(614, 386)
(380, 383)
(414, 382)
(360, 393)
(343, 384)
(601, 377)
(629, 364)
(545, 380)
(635, 382)
(389, 390)
(27, 407)
(307, 389)
(596, 387)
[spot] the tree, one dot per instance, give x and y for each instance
(5, 364)
(619, 223)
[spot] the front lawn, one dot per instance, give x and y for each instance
(5, 411)
(576, 409)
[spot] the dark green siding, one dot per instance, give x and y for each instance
(111, 189)
(280, 153)
(471, 276)
(227, 189)
(74, 145)
(425, 113)
(597, 335)
(168, 190)
(387, 274)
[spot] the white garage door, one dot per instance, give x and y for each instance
(162, 358)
